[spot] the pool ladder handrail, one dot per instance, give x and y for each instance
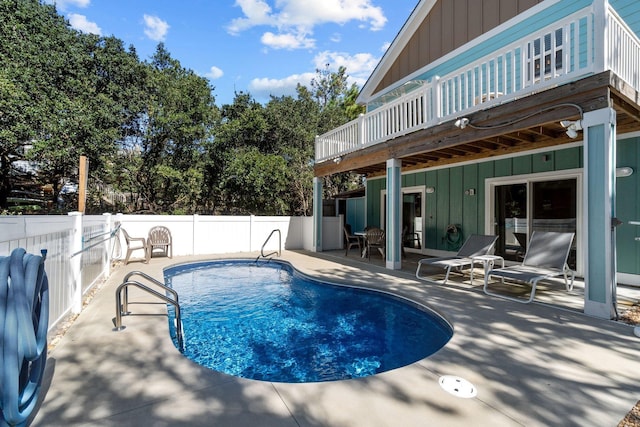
(122, 301)
(279, 251)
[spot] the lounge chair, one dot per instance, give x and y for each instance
(134, 244)
(375, 239)
(351, 240)
(475, 245)
(160, 238)
(546, 257)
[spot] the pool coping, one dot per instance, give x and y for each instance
(531, 365)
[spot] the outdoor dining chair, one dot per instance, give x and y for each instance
(135, 244)
(376, 239)
(351, 240)
(160, 238)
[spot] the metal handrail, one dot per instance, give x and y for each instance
(279, 251)
(127, 278)
(119, 306)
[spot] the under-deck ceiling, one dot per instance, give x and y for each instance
(525, 124)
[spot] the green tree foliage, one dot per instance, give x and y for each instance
(178, 117)
(337, 106)
(151, 130)
(75, 94)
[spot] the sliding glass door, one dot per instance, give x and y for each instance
(533, 204)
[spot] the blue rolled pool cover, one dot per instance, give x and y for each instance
(24, 320)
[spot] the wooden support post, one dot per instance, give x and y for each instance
(83, 176)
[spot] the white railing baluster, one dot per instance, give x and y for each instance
(499, 77)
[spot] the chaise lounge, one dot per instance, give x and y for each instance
(476, 245)
(546, 257)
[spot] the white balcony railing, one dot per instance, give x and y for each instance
(559, 53)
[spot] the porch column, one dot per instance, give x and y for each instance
(317, 214)
(393, 227)
(599, 210)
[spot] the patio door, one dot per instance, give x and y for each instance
(412, 218)
(536, 203)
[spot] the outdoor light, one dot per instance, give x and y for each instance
(572, 127)
(624, 171)
(462, 123)
(337, 160)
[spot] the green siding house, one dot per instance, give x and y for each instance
(503, 117)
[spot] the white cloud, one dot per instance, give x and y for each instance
(65, 4)
(359, 66)
(295, 19)
(385, 47)
(262, 88)
(257, 12)
(155, 28)
(214, 73)
(287, 41)
(79, 22)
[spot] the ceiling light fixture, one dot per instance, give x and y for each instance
(462, 123)
(572, 127)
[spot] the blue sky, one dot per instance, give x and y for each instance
(258, 46)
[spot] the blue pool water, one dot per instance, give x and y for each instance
(268, 322)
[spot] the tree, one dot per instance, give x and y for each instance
(255, 183)
(337, 106)
(77, 94)
(179, 116)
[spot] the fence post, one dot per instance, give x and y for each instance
(109, 241)
(194, 232)
(251, 218)
(76, 262)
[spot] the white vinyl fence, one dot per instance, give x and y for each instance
(80, 248)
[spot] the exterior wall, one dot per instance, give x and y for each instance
(449, 204)
(628, 207)
(629, 10)
(449, 25)
(356, 213)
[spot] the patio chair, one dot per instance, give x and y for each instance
(134, 244)
(351, 240)
(546, 257)
(475, 245)
(160, 238)
(375, 239)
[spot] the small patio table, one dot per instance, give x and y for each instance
(363, 235)
(487, 261)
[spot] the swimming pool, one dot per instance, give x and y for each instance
(267, 321)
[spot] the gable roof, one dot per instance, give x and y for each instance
(436, 29)
(416, 18)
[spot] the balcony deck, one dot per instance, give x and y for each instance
(513, 100)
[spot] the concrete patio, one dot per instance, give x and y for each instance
(542, 364)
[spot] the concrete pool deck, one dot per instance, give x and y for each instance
(532, 365)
